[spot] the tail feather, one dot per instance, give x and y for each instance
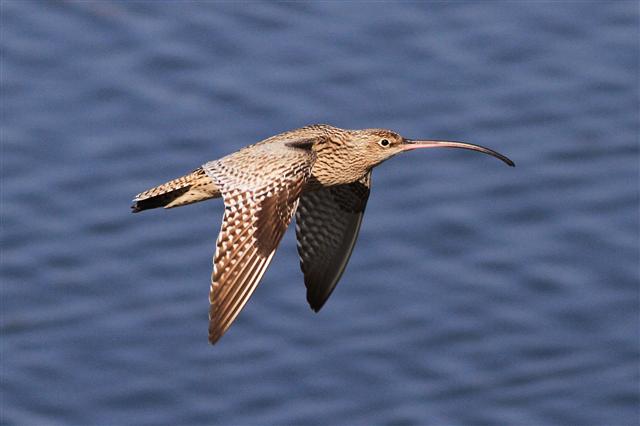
(191, 188)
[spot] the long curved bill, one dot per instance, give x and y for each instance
(409, 144)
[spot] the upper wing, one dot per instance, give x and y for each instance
(260, 188)
(327, 225)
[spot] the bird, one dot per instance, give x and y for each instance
(320, 173)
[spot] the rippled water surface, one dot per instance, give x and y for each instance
(477, 293)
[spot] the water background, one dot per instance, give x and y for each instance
(477, 293)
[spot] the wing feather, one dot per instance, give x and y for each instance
(327, 225)
(260, 188)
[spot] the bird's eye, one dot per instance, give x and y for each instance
(384, 142)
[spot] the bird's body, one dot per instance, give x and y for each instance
(319, 172)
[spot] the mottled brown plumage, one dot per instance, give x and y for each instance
(187, 189)
(320, 173)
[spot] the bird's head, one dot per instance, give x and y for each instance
(378, 145)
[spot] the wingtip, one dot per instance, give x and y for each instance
(315, 307)
(316, 300)
(214, 338)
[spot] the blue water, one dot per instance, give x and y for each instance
(477, 293)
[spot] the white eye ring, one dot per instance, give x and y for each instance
(384, 143)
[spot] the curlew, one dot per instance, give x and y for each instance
(321, 173)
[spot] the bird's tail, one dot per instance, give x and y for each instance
(191, 188)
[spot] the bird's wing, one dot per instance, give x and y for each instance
(260, 188)
(327, 225)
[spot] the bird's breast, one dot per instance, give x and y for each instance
(325, 173)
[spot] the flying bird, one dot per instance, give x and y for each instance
(319, 172)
